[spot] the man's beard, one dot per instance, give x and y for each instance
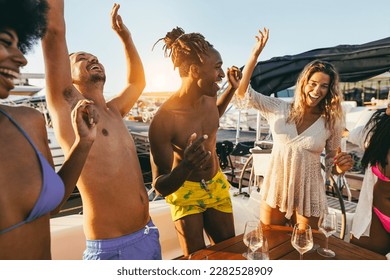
(98, 78)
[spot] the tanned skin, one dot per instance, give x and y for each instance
(115, 202)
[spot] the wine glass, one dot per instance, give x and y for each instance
(327, 224)
(263, 253)
(255, 242)
(253, 237)
(302, 238)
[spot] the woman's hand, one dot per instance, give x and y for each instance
(261, 41)
(343, 161)
(84, 120)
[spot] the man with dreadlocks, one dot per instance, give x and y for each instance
(183, 137)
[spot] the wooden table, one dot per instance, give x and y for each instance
(280, 247)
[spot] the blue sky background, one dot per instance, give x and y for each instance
(295, 26)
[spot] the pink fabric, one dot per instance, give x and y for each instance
(379, 174)
(385, 220)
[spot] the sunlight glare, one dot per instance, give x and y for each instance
(162, 81)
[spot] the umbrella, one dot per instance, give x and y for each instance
(353, 62)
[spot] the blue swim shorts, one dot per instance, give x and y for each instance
(141, 245)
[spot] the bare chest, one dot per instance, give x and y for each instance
(206, 123)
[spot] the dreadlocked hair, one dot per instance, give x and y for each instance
(27, 17)
(330, 105)
(184, 49)
(377, 137)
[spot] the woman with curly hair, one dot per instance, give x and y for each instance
(371, 223)
(293, 187)
(183, 136)
(30, 189)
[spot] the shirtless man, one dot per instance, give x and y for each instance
(183, 137)
(115, 202)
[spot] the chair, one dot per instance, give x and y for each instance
(256, 166)
(225, 150)
(334, 190)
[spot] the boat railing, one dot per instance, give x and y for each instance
(141, 141)
(254, 167)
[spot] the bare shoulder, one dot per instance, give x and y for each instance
(31, 120)
(164, 111)
(162, 122)
(24, 113)
(162, 116)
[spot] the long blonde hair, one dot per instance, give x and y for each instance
(330, 105)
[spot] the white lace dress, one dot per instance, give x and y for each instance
(294, 180)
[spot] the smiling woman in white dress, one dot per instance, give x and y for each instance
(294, 187)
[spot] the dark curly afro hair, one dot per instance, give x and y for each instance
(27, 17)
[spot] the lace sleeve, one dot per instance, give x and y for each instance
(332, 143)
(253, 99)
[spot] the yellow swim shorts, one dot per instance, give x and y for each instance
(196, 197)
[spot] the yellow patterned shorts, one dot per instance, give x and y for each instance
(196, 197)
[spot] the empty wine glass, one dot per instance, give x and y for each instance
(302, 238)
(253, 237)
(327, 224)
(255, 241)
(262, 253)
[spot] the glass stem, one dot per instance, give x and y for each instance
(326, 243)
(301, 256)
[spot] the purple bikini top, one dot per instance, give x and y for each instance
(52, 191)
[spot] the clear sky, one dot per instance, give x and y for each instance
(295, 26)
